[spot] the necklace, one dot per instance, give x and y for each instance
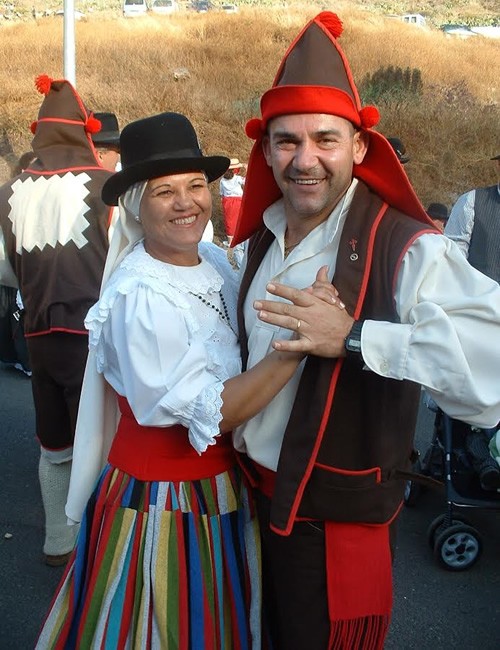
(223, 315)
(289, 247)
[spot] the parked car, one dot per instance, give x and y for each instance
(229, 8)
(164, 6)
(133, 8)
(459, 31)
(202, 6)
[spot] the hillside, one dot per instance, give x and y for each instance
(439, 94)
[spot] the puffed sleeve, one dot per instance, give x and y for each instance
(149, 356)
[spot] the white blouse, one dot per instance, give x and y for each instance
(162, 339)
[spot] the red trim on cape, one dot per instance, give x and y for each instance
(51, 172)
(56, 329)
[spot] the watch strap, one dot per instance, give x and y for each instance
(352, 341)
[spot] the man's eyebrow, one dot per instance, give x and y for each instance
(320, 133)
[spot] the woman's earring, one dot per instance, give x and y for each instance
(137, 218)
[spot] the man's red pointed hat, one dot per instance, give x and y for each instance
(303, 86)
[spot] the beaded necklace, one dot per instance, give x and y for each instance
(223, 315)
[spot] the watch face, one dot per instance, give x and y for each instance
(353, 344)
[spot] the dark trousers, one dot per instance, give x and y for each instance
(58, 363)
(294, 584)
(295, 601)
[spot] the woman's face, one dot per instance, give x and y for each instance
(174, 212)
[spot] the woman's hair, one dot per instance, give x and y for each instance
(229, 174)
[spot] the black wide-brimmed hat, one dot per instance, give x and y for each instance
(157, 146)
(438, 211)
(400, 150)
(109, 133)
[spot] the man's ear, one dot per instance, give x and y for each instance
(360, 144)
(266, 148)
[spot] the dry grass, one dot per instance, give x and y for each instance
(127, 66)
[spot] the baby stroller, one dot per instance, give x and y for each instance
(456, 544)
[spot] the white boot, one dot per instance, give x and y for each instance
(54, 483)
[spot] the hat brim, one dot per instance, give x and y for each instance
(496, 157)
(116, 185)
(110, 141)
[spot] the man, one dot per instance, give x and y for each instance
(107, 141)
(326, 199)
(474, 225)
(54, 242)
(438, 212)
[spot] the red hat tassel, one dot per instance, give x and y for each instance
(93, 125)
(43, 83)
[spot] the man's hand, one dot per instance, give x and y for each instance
(316, 315)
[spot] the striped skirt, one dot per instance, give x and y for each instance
(161, 565)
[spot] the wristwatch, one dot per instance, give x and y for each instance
(352, 341)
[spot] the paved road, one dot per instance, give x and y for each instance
(434, 609)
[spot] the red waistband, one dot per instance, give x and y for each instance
(258, 476)
(164, 453)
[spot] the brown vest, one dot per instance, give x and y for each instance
(350, 430)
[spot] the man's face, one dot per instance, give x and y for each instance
(108, 157)
(312, 157)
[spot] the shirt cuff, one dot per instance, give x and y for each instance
(384, 347)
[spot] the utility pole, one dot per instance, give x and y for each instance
(69, 48)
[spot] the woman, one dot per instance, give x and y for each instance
(167, 555)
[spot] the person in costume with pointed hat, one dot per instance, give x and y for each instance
(54, 229)
(326, 197)
(168, 553)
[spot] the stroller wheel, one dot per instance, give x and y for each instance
(437, 527)
(458, 547)
(412, 488)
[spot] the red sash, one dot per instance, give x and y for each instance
(164, 453)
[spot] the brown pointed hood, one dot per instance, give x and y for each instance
(63, 129)
(303, 86)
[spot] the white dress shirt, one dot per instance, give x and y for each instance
(447, 340)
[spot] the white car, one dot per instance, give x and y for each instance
(133, 8)
(164, 6)
(230, 8)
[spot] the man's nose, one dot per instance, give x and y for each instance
(306, 156)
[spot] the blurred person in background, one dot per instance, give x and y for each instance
(54, 228)
(231, 190)
(438, 212)
(399, 149)
(107, 141)
(474, 225)
(13, 349)
(170, 521)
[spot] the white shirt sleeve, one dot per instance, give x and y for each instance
(461, 222)
(448, 338)
(148, 356)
